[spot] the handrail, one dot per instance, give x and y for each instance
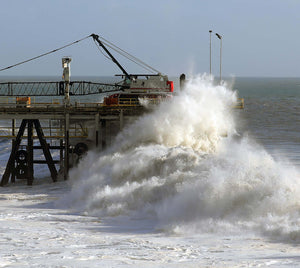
(77, 88)
(49, 132)
(10, 101)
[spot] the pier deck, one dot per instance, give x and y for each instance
(28, 128)
(77, 111)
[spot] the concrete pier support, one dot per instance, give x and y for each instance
(121, 119)
(97, 129)
(61, 154)
(30, 152)
(103, 134)
(63, 121)
(67, 145)
(25, 159)
(11, 161)
(46, 150)
(13, 174)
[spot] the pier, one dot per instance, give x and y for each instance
(73, 125)
(73, 128)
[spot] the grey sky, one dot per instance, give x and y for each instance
(260, 37)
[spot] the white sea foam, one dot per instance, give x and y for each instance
(184, 167)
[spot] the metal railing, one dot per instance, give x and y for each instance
(50, 132)
(77, 88)
(29, 102)
(136, 101)
(155, 101)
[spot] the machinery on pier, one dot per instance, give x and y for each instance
(153, 87)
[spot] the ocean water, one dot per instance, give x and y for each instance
(195, 183)
(272, 114)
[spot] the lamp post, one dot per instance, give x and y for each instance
(210, 31)
(220, 37)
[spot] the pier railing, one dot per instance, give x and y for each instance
(55, 88)
(50, 131)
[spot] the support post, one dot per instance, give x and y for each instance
(61, 154)
(67, 94)
(13, 173)
(61, 151)
(103, 133)
(46, 150)
(30, 152)
(67, 145)
(11, 161)
(13, 134)
(97, 128)
(121, 119)
(10, 167)
(13, 127)
(66, 76)
(182, 81)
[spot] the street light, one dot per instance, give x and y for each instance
(210, 31)
(220, 37)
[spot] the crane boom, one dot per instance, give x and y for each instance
(96, 38)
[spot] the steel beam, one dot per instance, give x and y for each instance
(11, 161)
(46, 150)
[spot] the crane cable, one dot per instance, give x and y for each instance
(124, 55)
(106, 42)
(128, 55)
(44, 54)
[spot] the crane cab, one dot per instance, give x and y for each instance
(153, 88)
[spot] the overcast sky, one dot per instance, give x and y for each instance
(260, 37)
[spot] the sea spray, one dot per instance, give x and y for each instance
(184, 167)
(242, 188)
(197, 118)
